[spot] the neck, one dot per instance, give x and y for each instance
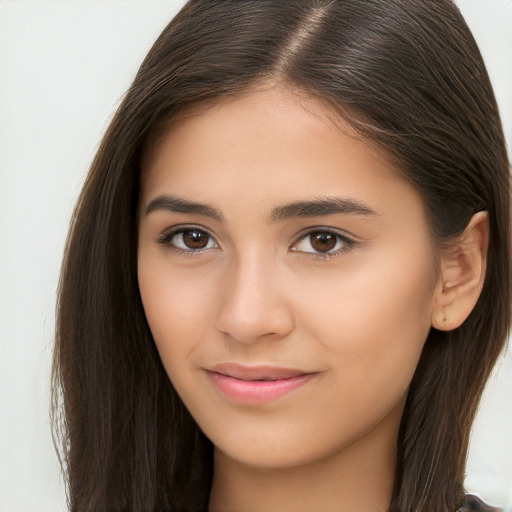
(357, 478)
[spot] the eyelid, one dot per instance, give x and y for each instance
(350, 242)
(167, 234)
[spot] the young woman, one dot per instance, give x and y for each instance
(288, 276)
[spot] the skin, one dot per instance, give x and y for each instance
(260, 292)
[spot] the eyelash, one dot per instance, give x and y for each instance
(347, 243)
(165, 239)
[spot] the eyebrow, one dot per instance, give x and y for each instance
(315, 208)
(179, 205)
(324, 206)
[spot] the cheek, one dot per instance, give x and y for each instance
(373, 321)
(178, 308)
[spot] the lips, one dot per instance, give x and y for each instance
(257, 373)
(253, 385)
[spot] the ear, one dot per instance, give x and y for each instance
(462, 275)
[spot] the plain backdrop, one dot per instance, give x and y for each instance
(64, 67)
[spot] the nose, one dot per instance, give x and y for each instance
(253, 304)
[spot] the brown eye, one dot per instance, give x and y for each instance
(188, 240)
(195, 239)
(323, 242)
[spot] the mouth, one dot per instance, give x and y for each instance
(263, 373)
(257, 384)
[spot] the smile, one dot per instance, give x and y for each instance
(256, 385)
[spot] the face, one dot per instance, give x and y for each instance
(286, 273)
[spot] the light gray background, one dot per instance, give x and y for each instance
(64, 67)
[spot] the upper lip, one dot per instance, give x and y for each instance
(258, 372)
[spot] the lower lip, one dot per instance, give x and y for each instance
(257, 391)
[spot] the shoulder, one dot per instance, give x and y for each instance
(472, 503)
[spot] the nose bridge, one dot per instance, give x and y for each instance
(253, 302)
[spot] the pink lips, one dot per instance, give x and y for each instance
(256, 384)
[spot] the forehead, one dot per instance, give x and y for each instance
(269, 147)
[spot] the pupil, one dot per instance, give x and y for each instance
(195, 239)
(323, 242)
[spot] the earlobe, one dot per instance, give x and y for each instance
(462, 275)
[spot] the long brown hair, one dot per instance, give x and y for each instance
(407, 75)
